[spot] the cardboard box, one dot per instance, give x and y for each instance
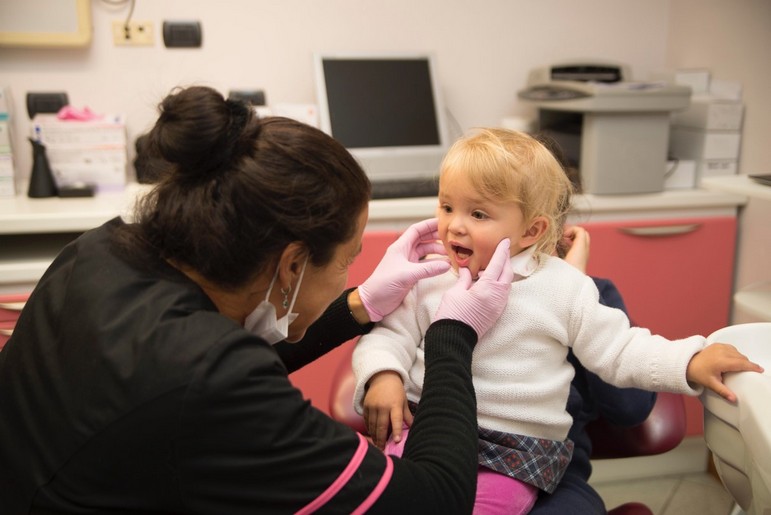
(711, 114)
(699, 145)
(680, 175)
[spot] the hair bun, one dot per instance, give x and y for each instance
(199, 130)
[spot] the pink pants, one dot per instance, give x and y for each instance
(497, 494)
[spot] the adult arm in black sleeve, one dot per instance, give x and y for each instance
(335, 327)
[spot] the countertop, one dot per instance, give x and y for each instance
(23, 215)
(33, 231)
(738, 184)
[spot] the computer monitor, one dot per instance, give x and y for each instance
(386, 110)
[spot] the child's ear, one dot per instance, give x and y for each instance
(535, 231)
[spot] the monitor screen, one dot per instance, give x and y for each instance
(382, 107)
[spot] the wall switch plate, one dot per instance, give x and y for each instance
(136, 33)
(182, 34)
(45, 102)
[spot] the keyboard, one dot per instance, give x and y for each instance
(404, 188)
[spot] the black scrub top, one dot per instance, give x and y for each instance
(123, 390)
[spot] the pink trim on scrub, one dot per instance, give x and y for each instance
(497, 494)
(341, 480)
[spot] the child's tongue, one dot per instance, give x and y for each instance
(463, 255)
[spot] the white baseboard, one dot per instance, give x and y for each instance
(691, 456)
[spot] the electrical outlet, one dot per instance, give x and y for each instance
(137, 33)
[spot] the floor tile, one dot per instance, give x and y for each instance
(700, 494)
(690, 494)
(654, 493)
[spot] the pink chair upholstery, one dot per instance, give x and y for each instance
(663, 430)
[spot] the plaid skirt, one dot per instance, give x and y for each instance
(535, 461)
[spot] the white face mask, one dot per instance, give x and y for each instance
(263, 322)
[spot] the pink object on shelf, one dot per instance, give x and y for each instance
(73, 113)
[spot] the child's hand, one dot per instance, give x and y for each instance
(385, 403)
(576, 240)
(707, 367)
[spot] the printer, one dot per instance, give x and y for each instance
(613, 130)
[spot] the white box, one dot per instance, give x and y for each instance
(104, 177)
(716, 167)
(711, 114)
(7, 188)
(305, 113)
(109, 130)
(680, 175)
(697, 78)
(5, 137)
(688, 143)
(5, 101)
(72, 155)
(726, 89)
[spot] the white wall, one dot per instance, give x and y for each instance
(484, 50)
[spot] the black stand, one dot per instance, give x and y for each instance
(41, 180)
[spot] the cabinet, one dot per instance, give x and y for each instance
(675, 276)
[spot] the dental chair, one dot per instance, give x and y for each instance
(662, 431)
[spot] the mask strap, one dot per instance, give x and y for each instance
(299, 281)
(272, 282)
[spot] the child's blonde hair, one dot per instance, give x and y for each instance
(510, 166)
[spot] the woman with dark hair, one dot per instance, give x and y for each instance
(148, 371)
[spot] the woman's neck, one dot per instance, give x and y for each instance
(235, 305)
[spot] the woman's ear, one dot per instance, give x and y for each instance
(290, 264)
(534, 231)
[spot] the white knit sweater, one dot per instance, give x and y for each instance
(521, 376)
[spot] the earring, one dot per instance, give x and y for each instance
(285, 293)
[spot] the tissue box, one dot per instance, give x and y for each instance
(711, 114)
(697, 144)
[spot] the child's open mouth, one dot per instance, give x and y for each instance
(462, 255)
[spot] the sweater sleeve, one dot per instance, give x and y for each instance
(625, 356)
(391, 345)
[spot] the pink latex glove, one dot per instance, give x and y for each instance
(401, 268)
(480, 304)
